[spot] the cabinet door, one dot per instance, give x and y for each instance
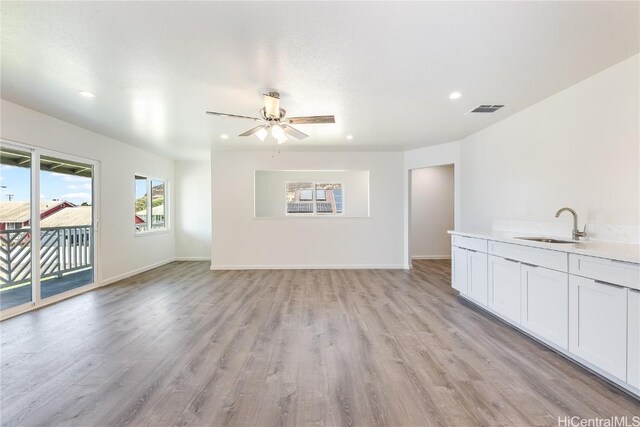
(598, 324)
(633, 346)
(477, 270)
(504, 287)
(545, 303)
(459, 269)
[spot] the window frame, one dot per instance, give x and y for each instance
(149, 220)
(314, 201)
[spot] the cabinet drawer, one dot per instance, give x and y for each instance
(472, 243)
(617, 272)
(554, 260)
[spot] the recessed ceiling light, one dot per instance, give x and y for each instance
(455, 95)
(86, 94)
(349, 137)
(224, 136)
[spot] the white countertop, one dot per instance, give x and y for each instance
(610, 250)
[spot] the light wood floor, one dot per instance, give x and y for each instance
(182, 345)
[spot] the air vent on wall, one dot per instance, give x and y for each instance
(486, 108)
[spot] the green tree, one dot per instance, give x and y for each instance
(141, 203)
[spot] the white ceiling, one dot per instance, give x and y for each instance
(384, 69)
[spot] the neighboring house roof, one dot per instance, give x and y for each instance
(139, 220)
(300, 207)
(20, 211)
(157, 210)
(69, 217)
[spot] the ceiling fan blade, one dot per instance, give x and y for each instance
(295, 132)
(272, 105)
(252, 131)
(311, 120)
(235, 116)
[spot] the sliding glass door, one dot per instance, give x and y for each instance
(15, 228)
(50, 196)
(66, 225)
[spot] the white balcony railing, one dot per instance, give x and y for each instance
(62, 250)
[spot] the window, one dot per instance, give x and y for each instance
(299, 198)
(311, 199)
(294, 194)
(150, 204)
(157, 203)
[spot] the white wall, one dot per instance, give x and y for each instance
(193, 210)
(578, 148)
(271, 197)
(239, 240)
(120, 252)
(432, 212)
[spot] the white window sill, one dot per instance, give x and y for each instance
(310, 217)
(152, 232)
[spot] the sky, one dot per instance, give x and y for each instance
(16, 180)
(141, 187)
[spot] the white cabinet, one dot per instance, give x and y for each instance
(587, 307)
(555, 260)
(477, 288)
(608, 270)
(469, 271)
(504, 287)
(459, 269)
(545, 303)
(473, 243)
(633, 343)
(598, 324)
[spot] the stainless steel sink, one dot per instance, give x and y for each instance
(545, 240)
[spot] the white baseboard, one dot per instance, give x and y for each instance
(192, 258)
(312, 267)
(431, 257)
(128, 274)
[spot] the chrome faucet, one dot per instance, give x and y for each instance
(577, 234)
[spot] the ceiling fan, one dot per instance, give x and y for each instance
(274, 121)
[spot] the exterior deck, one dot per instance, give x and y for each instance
(66, 262)
(21, 294)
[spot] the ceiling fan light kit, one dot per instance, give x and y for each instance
(278, 133)
(262, 133)
(274, 121)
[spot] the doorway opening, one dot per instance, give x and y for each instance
(431, 212)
